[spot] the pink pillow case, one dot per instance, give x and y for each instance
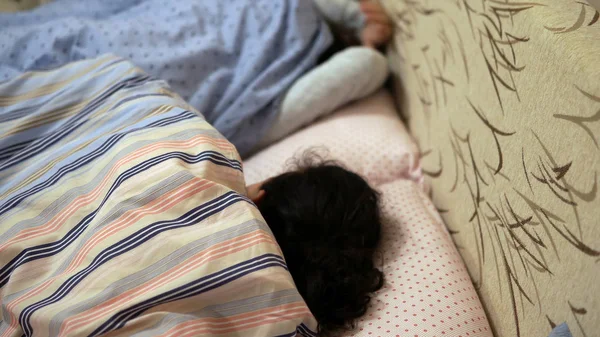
(427, 290)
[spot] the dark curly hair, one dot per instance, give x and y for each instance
(326, 220)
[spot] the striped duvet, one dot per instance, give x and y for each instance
(122, 214)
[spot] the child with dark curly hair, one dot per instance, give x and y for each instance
(326, 220)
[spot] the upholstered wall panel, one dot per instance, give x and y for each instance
(503, 98)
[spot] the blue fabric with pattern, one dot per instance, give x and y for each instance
(561, 330)
(233, 60)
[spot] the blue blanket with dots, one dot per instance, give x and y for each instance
(232, 60)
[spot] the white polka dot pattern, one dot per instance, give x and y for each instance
(427, 290)
(366, 136)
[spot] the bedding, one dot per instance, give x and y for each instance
(122, 213)
(427, 290)
(205, 49)
(366, 136)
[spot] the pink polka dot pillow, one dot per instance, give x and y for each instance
(427, 290)
(366, 136)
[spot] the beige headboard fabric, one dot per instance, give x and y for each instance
(503, 98)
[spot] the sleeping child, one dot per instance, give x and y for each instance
(250, 67)
(326, 220)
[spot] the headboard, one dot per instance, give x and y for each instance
(503, 98)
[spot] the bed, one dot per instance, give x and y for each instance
(487, 203)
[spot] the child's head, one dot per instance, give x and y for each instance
(326, 220)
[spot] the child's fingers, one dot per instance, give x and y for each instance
(370, 6)
(376, 35)
(386, 32)
(368, 42)
(382, 33)
(374, 13)
(385, 29)
(380, 18)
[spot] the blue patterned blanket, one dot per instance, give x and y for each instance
(230, 59)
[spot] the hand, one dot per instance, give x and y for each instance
(378, 27)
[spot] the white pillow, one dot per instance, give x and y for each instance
(367, 137)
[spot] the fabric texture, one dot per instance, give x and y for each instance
(122, 213)
(344, 13)
(427, 290)
(232, 60)
(503, 99)
(349, 75)
(19, 5)
(366, 136)
(561, 330)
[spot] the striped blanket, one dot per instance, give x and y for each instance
(122, 213)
